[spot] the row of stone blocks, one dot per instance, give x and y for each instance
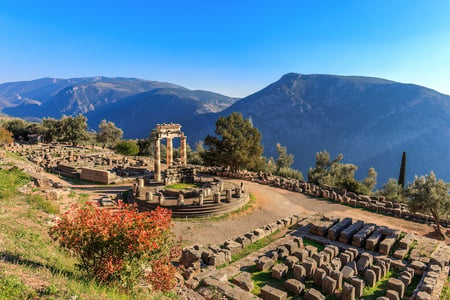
(358, 234)
(324, 268)
(375, 204)
(195, 257)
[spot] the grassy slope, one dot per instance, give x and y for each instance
(31, 266)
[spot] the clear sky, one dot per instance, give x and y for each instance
(230, 47)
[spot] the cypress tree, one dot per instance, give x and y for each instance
(401, 176)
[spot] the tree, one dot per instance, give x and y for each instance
(402, 174)
(108, 133)
(6, 137)
(370, 181)
(271, 166)
(194, 157)
(128, 147)
(284, 160)
(74, 129)
(430, 195)
(331, 172)
(52, 130)
(239, 145)
(392, 191)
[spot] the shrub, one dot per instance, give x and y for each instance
(289, 173)
(120, 245)
(127, 148)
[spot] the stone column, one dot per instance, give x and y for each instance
(157, 161)
(216, 197)
(228, 195)
(148, 196)
(161, 199)
(180, 199)
(183, 151)
(141, 183)
(169, 152)
(200, 199)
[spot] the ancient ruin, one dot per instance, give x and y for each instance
(168, 132)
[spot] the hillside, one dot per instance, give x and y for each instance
(371, 121)
(57, 97)
(137, 115)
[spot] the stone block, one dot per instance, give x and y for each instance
(283, 252)
(396, 285)
(313, 294)
(310, 267)
(328, 285)
(299, 272)
(347, 272)
(294, 286)
(392, 295)
(370, 278)
(301, 254)
(348, 292)
(373, 240)
(311, 250)
(378, 272)
(233, 246)
(279, 271)
(264, 263)
(244, 281)
(423, 296)
(347, 234)
(336, 275)
(336, 264)
(386, 245)
(364, 262)
(319, 275)
(244, 241)
(335, 230)
(271, 293)
(359, 286)
(345, 258)
(290, 261)
(292, 246)
(360, 237)
(418, 267)
(319, 258)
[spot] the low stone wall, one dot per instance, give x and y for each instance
(375, 204)
(95, 175)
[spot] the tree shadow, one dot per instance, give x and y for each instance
(16, 259)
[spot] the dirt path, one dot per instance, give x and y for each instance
(272, 204)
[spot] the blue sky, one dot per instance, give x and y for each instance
(230, 47)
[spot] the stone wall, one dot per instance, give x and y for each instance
(374, 204)
(95, 175)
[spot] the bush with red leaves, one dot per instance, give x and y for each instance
(120, 245)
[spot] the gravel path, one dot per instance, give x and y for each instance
(272, 204)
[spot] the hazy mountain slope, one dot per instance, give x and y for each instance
(371, 121)
(75, 96)
(137, 115)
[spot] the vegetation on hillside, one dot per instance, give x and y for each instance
(237, 144)
(430, 195)
(31, 265)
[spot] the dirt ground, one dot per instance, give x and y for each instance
(272, 204)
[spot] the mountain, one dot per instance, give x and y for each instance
(137, 115)
(56, 97)
(370, 120)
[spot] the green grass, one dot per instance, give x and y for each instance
(180, 186)
(445, 294)
(32, 265)
(308, 242)
(380, 287)
(38, 202)
(10, 180)
(261, 243)
(11, 287)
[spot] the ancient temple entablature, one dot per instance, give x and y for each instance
(168, 132)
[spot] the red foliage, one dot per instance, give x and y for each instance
(115, 244)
